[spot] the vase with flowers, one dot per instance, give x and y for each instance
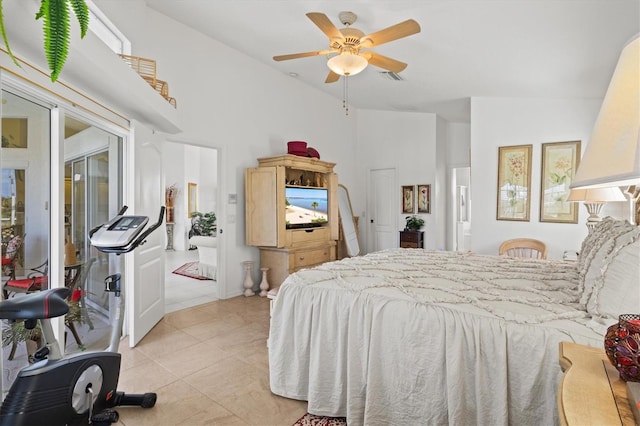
(170, 194)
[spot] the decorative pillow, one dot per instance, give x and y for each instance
(616, 287)
(599, 243)
(13, 246)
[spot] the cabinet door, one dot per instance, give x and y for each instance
(265, 216)
(333, 205)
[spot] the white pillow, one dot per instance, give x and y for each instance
(616, 287)
(600, 243)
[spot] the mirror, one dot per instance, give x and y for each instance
(349, 230)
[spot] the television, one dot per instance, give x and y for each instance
(306, 207)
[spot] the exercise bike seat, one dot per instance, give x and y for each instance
(43, 304)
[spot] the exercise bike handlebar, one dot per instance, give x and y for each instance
(140, 240)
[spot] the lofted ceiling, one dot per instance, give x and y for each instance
(466, 48)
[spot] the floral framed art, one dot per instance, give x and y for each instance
(514, 182)
(424, 198)
(559, 163)
(408, 199)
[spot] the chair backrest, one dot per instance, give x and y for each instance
(523, 248)
(84, 273)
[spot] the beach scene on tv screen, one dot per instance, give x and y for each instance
(306, 206)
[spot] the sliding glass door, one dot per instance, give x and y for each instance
(88, 203)
(25, 212)
(90, 160)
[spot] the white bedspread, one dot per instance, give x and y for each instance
(416, 337)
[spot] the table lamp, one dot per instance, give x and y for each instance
(612, 157)
(594, 199)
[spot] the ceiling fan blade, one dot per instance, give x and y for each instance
(383, 61)
(302, 55)
(394, 32)
(332, 77)
(325, 25)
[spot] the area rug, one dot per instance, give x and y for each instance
(190, 269)
(313, 420)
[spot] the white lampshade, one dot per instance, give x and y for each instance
(347, 64)
(612, 157)
(596, 195)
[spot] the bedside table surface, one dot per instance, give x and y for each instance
(591, 391)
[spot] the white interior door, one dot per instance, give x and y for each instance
(383, 205)
(145, 291)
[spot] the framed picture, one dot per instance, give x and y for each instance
(514, 182)
(559, 163)
(14, 132)
(192, 197)
(407, 199)
(424, 198)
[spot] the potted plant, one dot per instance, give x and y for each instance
(413, 223)
(203, 224)
(55, 16)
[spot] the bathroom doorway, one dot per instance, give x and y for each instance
(192, 174)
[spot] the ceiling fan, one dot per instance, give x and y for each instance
(350, 44)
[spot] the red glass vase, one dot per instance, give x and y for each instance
(622, 346)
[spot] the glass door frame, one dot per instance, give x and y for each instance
(59, 108)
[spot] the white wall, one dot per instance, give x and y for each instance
(246, 109)
(408, 142)
(510, 121)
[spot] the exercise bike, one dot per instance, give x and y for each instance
(80, 388)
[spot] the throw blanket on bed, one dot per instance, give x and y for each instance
(419, 337)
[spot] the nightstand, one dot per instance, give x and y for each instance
(412, 239)
(591, 391)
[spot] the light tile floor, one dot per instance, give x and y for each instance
(209, 366)
(184, 292)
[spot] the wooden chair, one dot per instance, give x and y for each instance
(523, 248)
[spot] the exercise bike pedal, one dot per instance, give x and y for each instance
(105, 417)
(41, 354)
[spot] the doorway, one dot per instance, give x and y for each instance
(460, 216)
(191, 276)
(382, 229)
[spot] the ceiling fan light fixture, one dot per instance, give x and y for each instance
(347, 64)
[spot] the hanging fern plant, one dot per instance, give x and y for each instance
(55, 24)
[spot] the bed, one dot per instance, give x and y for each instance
(412, 336)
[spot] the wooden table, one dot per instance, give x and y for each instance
(591, 391)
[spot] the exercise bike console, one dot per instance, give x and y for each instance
(123, 233)
(116, 234)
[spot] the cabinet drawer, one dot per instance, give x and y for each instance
(410, 237)
(305, 236)
(304, 258)
(408, 244)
